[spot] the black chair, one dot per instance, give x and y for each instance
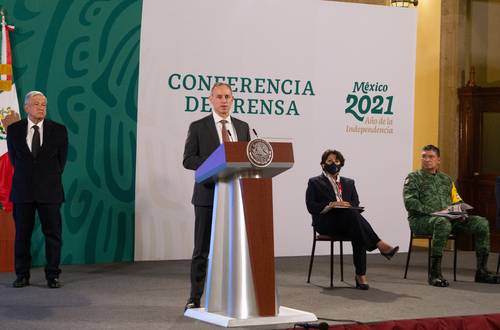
(429, 239)
(326, 238)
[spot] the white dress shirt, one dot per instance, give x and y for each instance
(229, 125)
(335, 184)
(31, 130)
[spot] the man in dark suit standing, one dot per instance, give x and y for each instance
(204, 136)
(37, 149)
(333, 203)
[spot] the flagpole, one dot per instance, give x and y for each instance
(5, 51)
(9, 109)
(8, 102)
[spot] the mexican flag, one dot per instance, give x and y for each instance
(9, 112)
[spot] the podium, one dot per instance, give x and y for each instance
(240, 284)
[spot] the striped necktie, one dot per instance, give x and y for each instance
(225, 134)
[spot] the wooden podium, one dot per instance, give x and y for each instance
(241, 284)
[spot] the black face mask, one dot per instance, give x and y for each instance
(332, 168)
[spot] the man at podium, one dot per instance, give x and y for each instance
(204, 136)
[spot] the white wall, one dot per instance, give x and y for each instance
(330, 45)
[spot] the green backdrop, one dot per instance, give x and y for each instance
(84, 55)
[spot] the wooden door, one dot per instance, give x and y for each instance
(7, 236)
(479, 154)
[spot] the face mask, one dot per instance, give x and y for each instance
(332, 168)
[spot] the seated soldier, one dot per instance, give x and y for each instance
(427, 191)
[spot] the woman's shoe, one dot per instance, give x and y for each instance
(361, 286)
(391, 253)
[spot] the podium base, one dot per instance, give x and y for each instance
(285, 315)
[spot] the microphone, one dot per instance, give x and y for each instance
(230, 135)
(255, 133)
(305, 325)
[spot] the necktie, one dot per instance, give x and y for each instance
(225, 134)
(35, 142)
(339, 187)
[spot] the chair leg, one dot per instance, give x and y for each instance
(341, 261)
(409, 255)
(454, 262)
(498, 263)
(429, 257)
(331, 264)
(311, 260)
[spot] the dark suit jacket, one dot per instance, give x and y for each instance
(202, 140)
(320, 193)
(40, 179)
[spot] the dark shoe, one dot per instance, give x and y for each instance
(482, 273)
(361, 286)
(391, 253)
(486, 277)
(53, 283)
(435, 276)
(439, 281)
(192, 303)
(21, 282)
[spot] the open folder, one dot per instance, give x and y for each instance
(349, 207)
(455, 211)
(328, 208)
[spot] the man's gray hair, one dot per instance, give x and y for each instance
(30, 95)
(218, 84)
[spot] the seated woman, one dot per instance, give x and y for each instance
(329, 198)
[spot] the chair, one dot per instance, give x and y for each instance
(429, 239)
(326, 238)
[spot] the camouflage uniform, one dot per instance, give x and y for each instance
(425, 193)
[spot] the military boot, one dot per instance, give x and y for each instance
(482, 273)
(435, 276)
